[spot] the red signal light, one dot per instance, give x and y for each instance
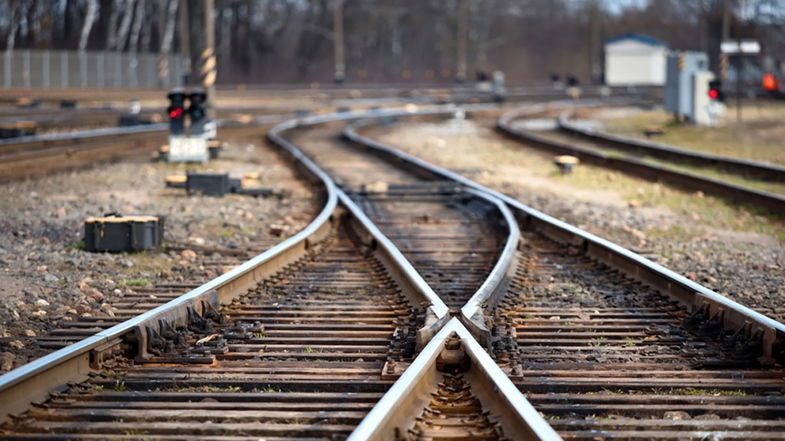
(175, 113)
(714, 94)
(770, 83)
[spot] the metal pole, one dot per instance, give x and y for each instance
(185, 42)
(83, 68)
(463, 26)
(209, 69)
(739, 66)
(340, 66)
(725, 36)
(64, 66)
(99, 69)
(26, 64)
(118, 70)
(7, 68)
(45, 69)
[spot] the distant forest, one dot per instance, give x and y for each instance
(391, 40)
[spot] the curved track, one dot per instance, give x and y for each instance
(339, 297)
(607, 344)
(331, 314)
(452, 237)
(773, 202)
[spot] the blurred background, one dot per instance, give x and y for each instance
(146, 43)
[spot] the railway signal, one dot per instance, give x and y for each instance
(770, 83)
(197, 112)
(176, 111)
(715, 91)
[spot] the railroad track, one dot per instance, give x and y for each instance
(317, 328)
(622, 158)
(37, 155)
(217, 260)
(747, 168)
(601, 355)
(609, 345)
(451, 236)
(448, 385)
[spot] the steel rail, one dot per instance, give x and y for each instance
(689, 293)
(494, 286)
(743, 166)
(410, 394)
(24, 143)
(773, 202)
(439, 312)
(33, 381)
(35, 155)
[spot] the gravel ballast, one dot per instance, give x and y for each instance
(731, 249)
(45, 278)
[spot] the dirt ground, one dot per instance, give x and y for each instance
(736, 251)
(45, 277)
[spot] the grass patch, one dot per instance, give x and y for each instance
(713, 392)
(758, 137)
(140, 281)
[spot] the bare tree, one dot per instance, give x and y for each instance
(125, 25)
(89, 19)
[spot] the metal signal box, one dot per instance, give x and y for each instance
(679, 84)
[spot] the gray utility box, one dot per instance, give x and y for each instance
(209, 184)
(123, 233)
(679, 83)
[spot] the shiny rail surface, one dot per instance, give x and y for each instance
(451, 236)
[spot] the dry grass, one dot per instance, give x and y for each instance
(760, 136)
(504, 164)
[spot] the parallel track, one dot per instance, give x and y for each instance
(744, 167)
(602, 355)
(773, 202)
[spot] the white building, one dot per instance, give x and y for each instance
(635, 60)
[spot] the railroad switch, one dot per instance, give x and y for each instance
(453, 358)
(117, 233)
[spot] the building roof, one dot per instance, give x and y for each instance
(645, 39)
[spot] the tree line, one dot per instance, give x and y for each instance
(390, 40)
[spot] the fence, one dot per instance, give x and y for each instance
(63, 69)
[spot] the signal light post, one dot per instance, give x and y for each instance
(176, 112)
(182, 147)
(716, 104)
(715, 91)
